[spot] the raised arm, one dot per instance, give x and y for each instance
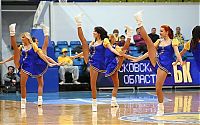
(80, 55)
(137, 59)
(175, 44)
(41, 54)
(107, 44)
(113, 50)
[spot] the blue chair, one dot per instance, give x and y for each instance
(189, 54)
(136, 54)
(57, 49)
(53, 43)
(78, 62)
(61, 46)
(133, 48)
(80, 69)
(73, 46)
(62, 43)
(57, 54)
(75, 43)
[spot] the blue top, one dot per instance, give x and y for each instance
(165, 56)
(97, 57)
(196, 54)
(31, 63)
(111, 61)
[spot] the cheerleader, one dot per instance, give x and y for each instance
(161, 56)
(30, 61)
(96, 52)
(113, 61)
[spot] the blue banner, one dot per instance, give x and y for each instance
(141, 74)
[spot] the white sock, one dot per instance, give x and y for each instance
(39, 97)
(94, 100)
(160, 105)
(113, 98)
(23, 99)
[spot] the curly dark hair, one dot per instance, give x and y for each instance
(195, 37)
(103, 33)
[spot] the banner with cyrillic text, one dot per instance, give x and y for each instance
(142, 74)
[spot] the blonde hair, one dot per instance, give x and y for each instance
(27, 35)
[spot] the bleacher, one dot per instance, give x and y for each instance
(133, 51)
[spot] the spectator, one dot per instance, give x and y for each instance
(66, 65)
(77, 49)
(11, 80)
(139, 42)
(116, 35)
(154, 37)
(122, 41)
(179, 35)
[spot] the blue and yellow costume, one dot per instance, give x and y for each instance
(111, 59)
(165, 56)
(195, 52)
(97, 57)
(31, 63)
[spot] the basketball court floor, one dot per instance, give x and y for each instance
(74, 108)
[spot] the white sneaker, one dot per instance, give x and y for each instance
(94, 107)
(61, 83)
(138, 18)
(160, 111)
(114, 103)
(76, 82)
(23, 103)
(40, 100)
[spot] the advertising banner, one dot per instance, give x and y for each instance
(142, 74)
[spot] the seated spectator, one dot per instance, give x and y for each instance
(66, 65)
(179, 35)
(139, 42)
(122, 41)
(154, 37)
(77, 49)
(116, 35)
(11, 80)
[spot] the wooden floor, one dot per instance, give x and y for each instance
(182, 107)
